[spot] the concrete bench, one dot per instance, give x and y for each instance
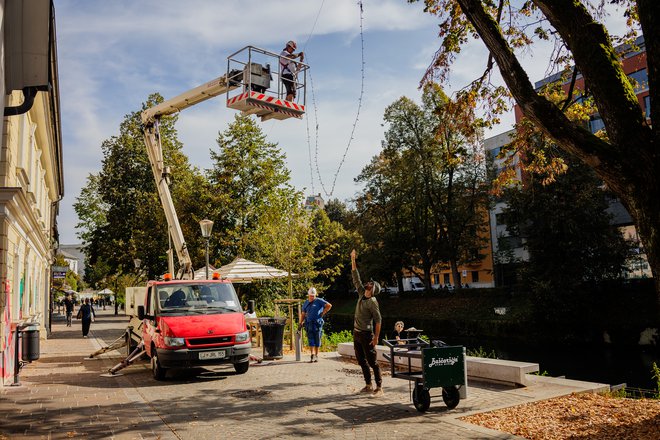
(494, 370)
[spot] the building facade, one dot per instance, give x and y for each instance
(75, 257)
(314, 202)
(31, 175)
(508, 250)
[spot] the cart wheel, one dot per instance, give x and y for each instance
(421, 398)
(451, 397)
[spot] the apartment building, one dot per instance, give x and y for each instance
(479, 273)
(31, 175)
(314, 202)
(507, 249)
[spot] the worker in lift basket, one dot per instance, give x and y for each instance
(288, 68)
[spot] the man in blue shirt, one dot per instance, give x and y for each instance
(313, 311)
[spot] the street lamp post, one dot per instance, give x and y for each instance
(137, 262)
(207, 226)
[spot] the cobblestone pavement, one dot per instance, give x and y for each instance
(63, 396)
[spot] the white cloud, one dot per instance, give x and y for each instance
(113, 54)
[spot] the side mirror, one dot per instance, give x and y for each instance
(250, 308)
(140, 313)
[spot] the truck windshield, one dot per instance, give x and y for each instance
(202, 298)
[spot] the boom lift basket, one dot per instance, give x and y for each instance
(258, 88)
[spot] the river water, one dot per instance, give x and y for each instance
(609, 364)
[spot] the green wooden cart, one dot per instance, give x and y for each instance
(442, 366)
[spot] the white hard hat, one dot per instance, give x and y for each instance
(292, 44)
(311, 291)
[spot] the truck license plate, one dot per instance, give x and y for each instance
(205, 355)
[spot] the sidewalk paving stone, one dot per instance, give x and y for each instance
(63, 396)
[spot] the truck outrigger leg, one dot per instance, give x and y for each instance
(134, 356)
(115, 345)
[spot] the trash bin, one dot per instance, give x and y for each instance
(272, 332)
(30, 342)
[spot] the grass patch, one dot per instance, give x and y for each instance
(330, 341)
(481, 353)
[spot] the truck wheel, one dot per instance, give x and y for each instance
(451, 397)
(241, 367)
(156, 369)
(421, 398)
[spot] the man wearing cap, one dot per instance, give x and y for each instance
(313, 311)
(288, 68)
(366, 329)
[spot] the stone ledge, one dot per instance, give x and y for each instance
(497, 370)
(580, 386)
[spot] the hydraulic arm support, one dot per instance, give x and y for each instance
(150, 121)
(162, 178)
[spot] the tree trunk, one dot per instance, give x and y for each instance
(454, 273)
(399, 280)
(644, 208)
(427, 263)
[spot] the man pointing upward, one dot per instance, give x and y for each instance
(366, 329)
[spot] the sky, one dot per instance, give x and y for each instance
(113, 54)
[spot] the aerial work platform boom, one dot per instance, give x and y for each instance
(248, 70)
(187, 99)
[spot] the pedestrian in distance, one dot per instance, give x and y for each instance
(68, 308)
(86, 314)
(366, 329)
(289, 68)
(313, 311)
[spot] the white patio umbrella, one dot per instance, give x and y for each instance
(106, 292)
(200, 274)
(245, 271)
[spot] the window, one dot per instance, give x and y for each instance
(446, 278)
(640, 80)
(23, 139)
(596, 124)
(500, 219)
(150, 303)
(494, 152)
(475, 276)
(509, 242)
(647, 106)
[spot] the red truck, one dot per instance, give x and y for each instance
(193, 323)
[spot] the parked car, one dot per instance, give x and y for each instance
(412, 284)
(391, 290)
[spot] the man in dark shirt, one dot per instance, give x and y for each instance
(366, 329)
(68, 305)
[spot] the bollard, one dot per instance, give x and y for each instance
(298, 344)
